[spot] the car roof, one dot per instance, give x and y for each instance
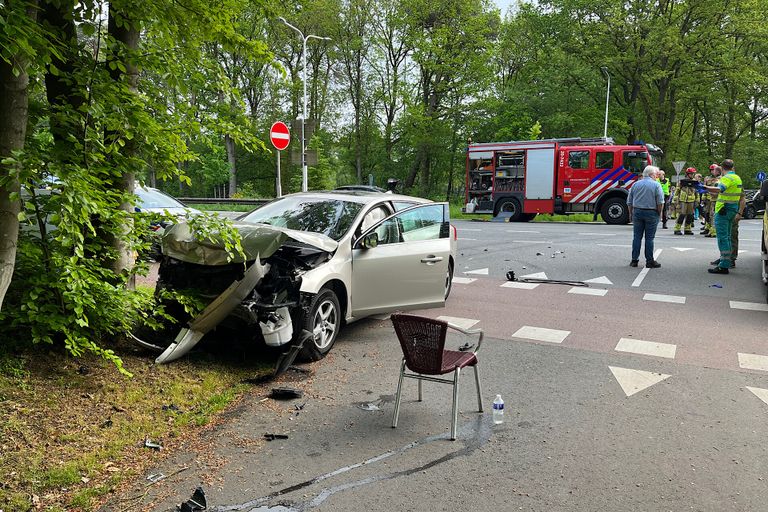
(359, 196)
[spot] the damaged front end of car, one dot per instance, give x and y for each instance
(261, 289)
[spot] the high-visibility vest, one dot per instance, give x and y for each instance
(732, 192)
(664, 186)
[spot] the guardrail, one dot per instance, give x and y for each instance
(222, 200)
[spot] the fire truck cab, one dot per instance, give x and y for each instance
(524, 178)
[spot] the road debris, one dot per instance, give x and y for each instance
(155, 477)
(196, 503)
(148, 443)
(271, 437)
(285, 393)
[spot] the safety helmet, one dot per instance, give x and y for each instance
(690, 170)
(713, 166)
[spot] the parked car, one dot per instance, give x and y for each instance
(314, 261)
(753, 208)
(760, 199)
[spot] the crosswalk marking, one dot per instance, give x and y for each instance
(656, 297)
(479, 271)
(749, 306)
(463, 280)
(537, 275)
(646, 348)
(581, 290)
(464, 323)
(519, 286)
(753, 362)
(541, 334)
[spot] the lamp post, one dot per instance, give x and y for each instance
(607, 97)
(304, 108)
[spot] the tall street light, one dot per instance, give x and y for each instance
(304, 108)
(607, 97)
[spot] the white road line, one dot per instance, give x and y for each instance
(597, 234)
(639, 279)
(469, 229)
(614, 245)
(580, 290)
(532, 241)
(672, 299)
(646, 348)
(749, 306)
(519, 286)
(479, 272)
(521, 231)
(541, 334)
(537, 275)
(753, 362)
(464, 323)
(750, 240)
(462, 238)
(463, 280)
(634, 381)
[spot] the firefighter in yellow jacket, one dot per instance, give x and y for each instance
(685, 199)
(709, 200)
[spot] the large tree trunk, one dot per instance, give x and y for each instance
(14, 102)
(229, 143)
(126, 35)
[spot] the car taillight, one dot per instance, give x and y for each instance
(455, 233)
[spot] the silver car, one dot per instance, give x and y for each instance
(314, 261)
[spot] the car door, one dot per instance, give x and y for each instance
(408, 267)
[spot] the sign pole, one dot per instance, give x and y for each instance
(278, 186)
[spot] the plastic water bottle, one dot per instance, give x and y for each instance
(498, 410)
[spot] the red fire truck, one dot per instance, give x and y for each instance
(524, 178)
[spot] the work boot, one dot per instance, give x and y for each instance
(663, 226)
(633, 263)
(717, 270)
(710, 235)
(652, 264)
(678, 232)
(689, 232)
(715, 263)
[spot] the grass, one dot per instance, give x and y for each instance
(72, 430)
(457, 214)
(220, 207)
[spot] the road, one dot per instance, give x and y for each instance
(649, 393)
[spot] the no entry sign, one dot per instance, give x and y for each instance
(279, 135)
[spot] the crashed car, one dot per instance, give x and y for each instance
(314, 261)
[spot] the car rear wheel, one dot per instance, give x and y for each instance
(324, 322)
(749, 212)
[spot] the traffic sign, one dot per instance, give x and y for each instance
(678, 165)
(760, 175)
(279, 135)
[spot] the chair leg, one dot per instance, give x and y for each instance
(455, 412)
(399, 395)
(479, 393)
(420, 390)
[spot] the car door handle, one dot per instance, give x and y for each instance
(431, 259)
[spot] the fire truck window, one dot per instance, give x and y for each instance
(578, 159)
(635, 161)
(604, 160)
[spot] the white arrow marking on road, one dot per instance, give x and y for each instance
(599, 280)
(682, 249)
(464, 323)
(463, 280)
(760, 393)
(634, 381)
(480, 272)
(538, 275)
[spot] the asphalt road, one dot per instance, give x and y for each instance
(615, 401)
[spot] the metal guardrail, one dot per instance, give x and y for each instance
(222, 200)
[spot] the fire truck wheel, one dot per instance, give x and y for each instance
(528, 217)
(615, 211)
(511, 206)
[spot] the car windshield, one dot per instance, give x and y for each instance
(156, 199)
(331, 217)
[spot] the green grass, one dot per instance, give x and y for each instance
(221, 207)
(457, 214)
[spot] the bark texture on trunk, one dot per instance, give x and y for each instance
(229, 143)
(14, 104)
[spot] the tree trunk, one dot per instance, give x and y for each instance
(14, 103)
(126, 34)
(229, 142)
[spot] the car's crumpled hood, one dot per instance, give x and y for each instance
(257, 239)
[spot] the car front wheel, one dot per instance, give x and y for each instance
(449, 280)
(323, 322)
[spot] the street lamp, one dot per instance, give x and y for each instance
(304, 109)
(607, 97)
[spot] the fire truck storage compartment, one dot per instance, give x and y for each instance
(480, 182)
(539, 180)
(510, 171)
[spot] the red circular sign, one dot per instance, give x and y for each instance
(279, 135)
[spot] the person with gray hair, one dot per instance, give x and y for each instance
(645, 202)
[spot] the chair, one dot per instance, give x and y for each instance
(423, 342)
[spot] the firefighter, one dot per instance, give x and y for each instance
(709, 200)
(664, 182)
(684, 200)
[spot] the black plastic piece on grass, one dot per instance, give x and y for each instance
(196, 503)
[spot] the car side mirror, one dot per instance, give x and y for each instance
(370, 241)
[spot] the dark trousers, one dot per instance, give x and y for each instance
(664, 210)
(644, 224)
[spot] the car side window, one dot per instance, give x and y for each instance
(402, 205)
(423, 223)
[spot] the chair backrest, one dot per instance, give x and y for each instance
(422, 340)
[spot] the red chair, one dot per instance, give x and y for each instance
(423, 342)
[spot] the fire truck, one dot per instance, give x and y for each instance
(521, 179)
